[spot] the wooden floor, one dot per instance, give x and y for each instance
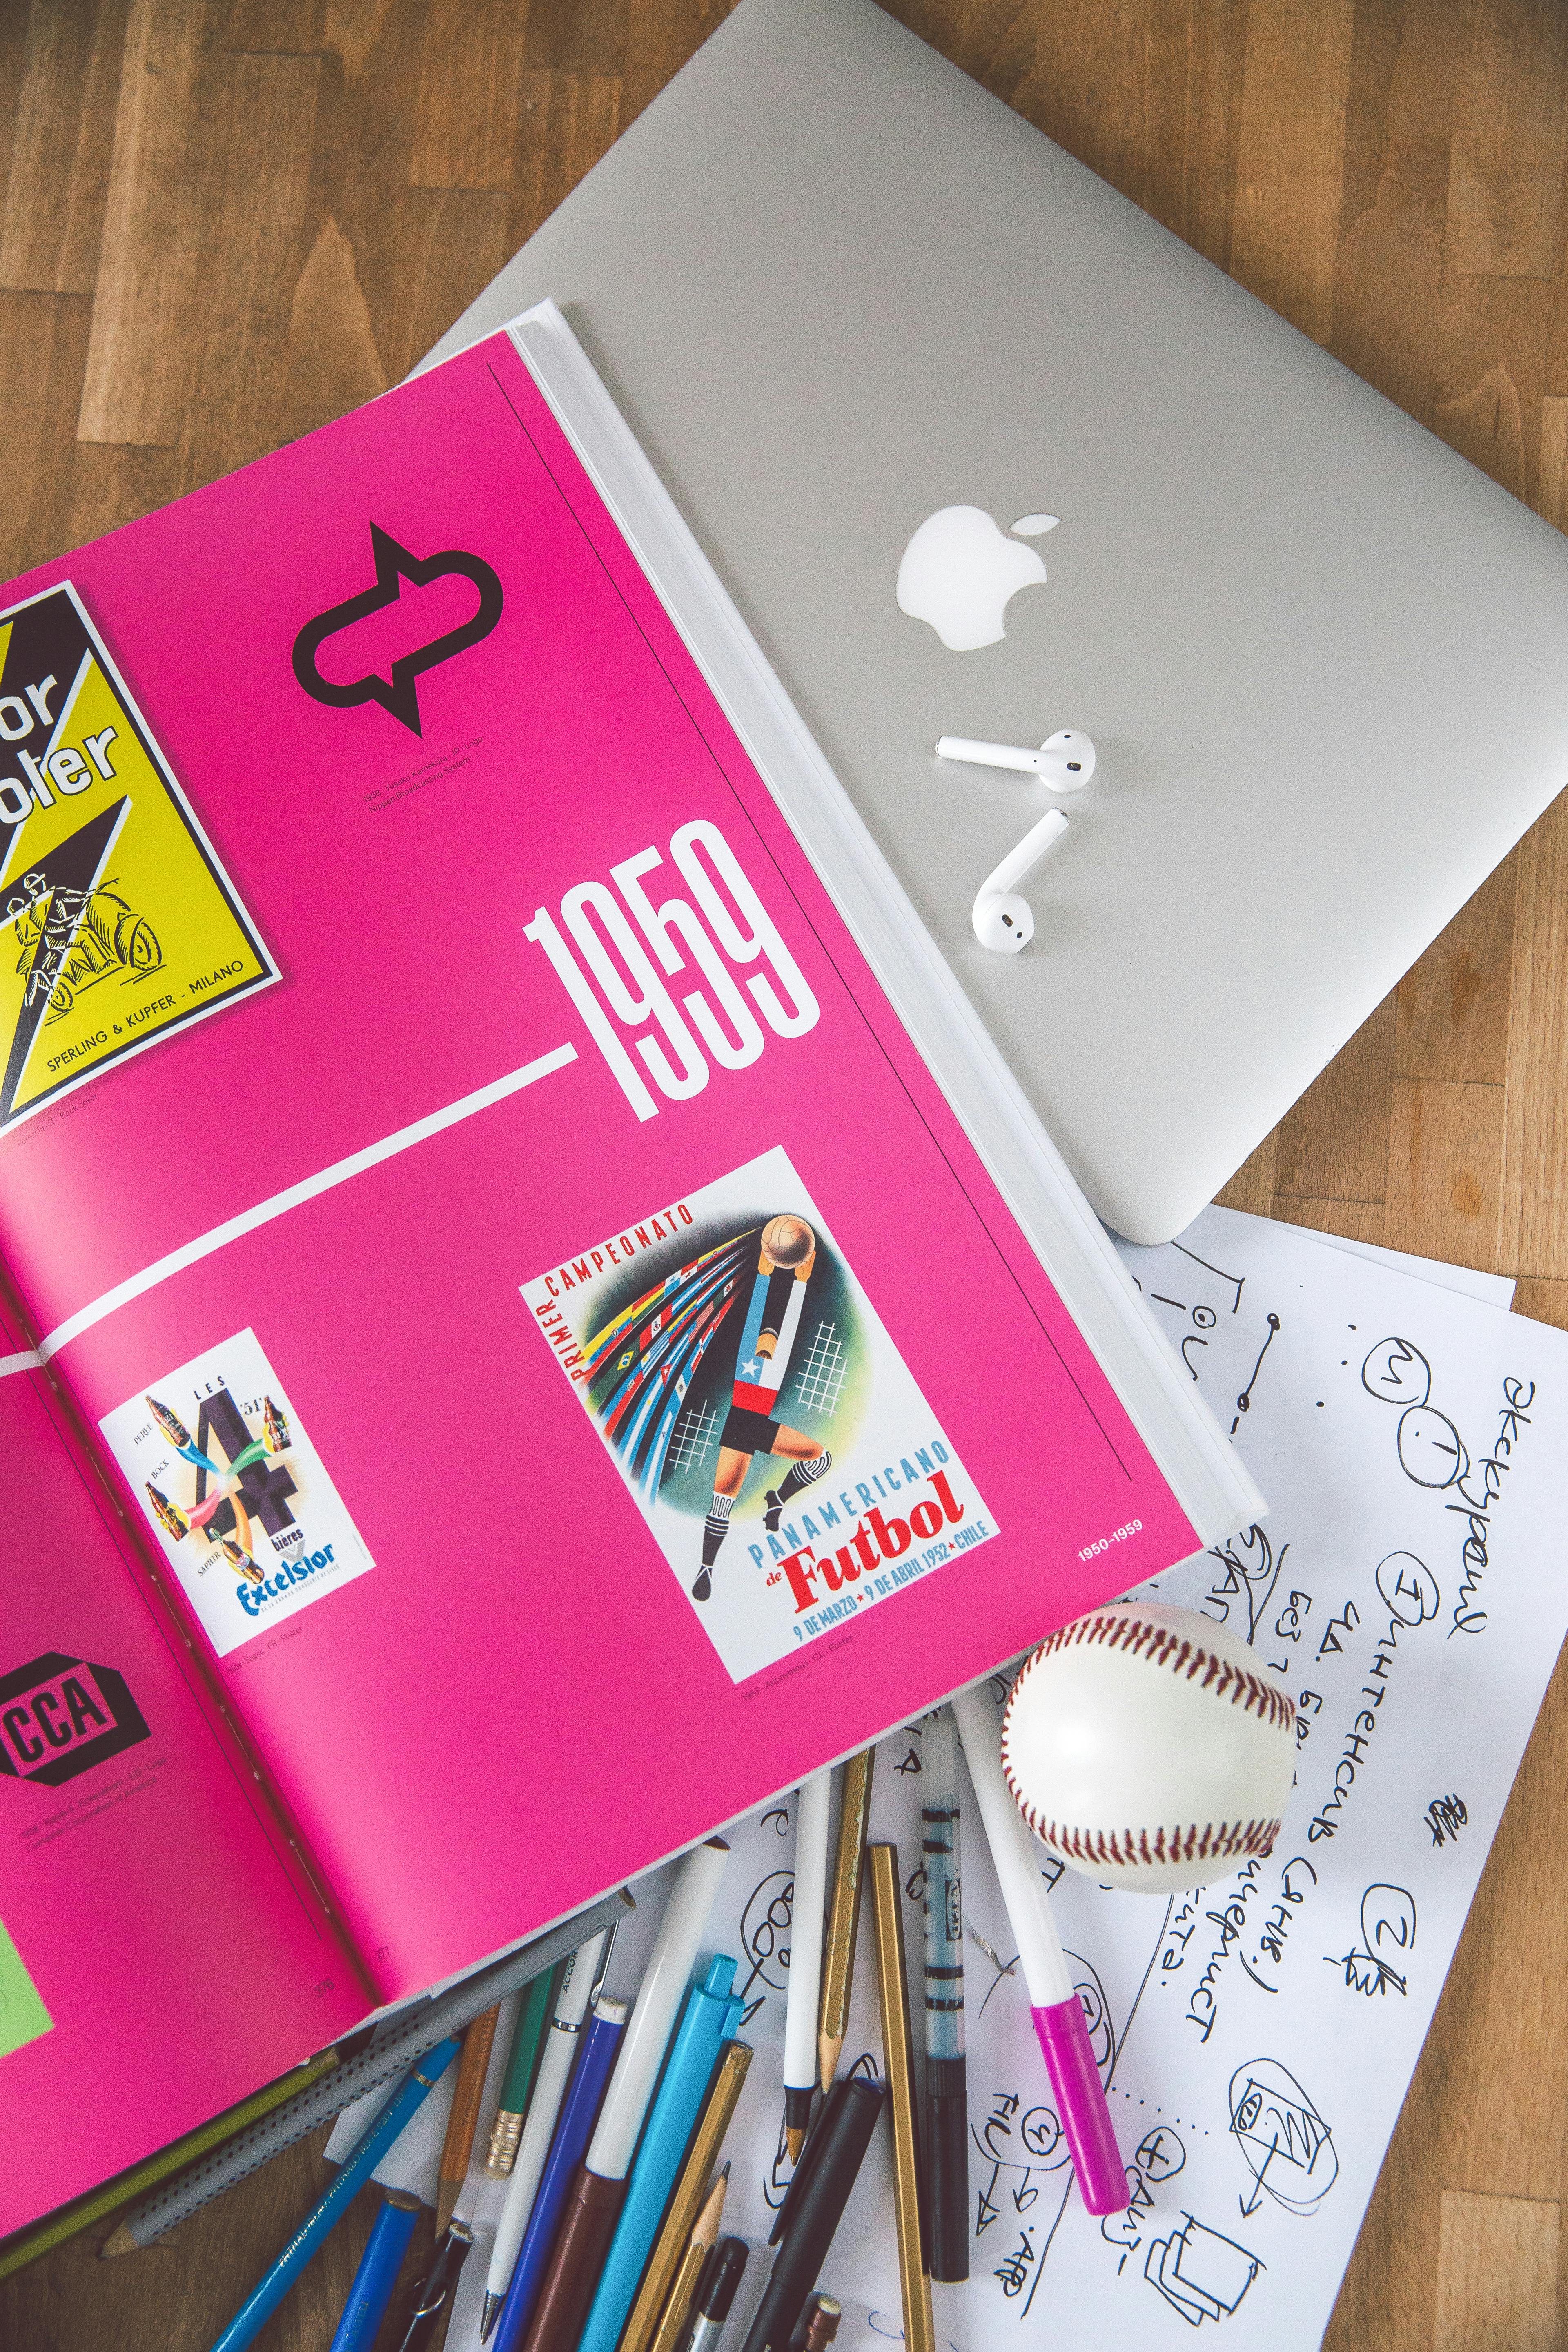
(227, 220)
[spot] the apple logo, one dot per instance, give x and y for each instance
(958, 571)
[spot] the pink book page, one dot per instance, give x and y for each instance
(158, 1960)
(572, 1181)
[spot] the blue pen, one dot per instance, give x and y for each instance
(356, 2170)
(712, 2012)
(579, 2113)
(378, 2273)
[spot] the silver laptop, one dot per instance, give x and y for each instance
(838, 290)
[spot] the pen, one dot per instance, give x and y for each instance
(517, 2084)
(1054, 2005)
(440, 2286)
(360, 2321)
(946, 2133)
(839, 1953)
(576, 1987)
(595, 2199)
(842, 2135)
(265, 2298)
(813, 1806)
(705, 2230)
(710, 2014)
(826, 2313)
(717, 2292)
(467, 2093)
(669, 2247)
(579, 2113)
(920, 2329)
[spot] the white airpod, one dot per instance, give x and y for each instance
(1002, 919)
(1065, 760)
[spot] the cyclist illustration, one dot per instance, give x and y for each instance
(71, 940)
(773, 1320)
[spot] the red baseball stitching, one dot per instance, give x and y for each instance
(1230, 1840)
(1119, 1629)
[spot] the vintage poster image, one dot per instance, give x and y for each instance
(788, 1466)
(235, 1492)
(117, 922)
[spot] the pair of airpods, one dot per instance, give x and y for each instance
(1065, 760)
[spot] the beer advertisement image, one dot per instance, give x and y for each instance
(779, 1447)
(235, 1492)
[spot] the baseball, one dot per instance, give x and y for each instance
(788, 1241)
(1144, 1746)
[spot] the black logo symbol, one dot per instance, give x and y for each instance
(59, 1717)
(398, 693)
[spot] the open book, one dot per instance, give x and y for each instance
(541, 1317)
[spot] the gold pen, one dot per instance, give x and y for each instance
(671, 2245)
(920, 2327)
(844, 1914)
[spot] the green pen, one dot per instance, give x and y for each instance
(527, 2043)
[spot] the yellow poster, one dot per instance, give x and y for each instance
(117, 921)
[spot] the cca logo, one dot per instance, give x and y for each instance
(59, 1717)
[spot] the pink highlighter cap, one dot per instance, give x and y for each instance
(1080, 2104)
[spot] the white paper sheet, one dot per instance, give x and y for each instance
(1257, 2036)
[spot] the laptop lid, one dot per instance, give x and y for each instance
(837, 289)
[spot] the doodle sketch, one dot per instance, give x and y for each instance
(1200, 2274)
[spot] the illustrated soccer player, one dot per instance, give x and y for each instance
(778, 1296)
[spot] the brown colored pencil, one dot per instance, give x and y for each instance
(704, 2238)
(462, 2124)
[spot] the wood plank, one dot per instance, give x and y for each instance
(332, 361)
(466, 126)
(451, 243)
(1510, 104)
(60, 154)
(1196, 68)
(659, 39)
(1446, 1171)
(42, 356)
(1490, 376)
(109, 487)
(1252, 1186)
(1290, 163)
(1353, 1221)
(280, 28)
(576, 36)
(1452, 1008)
(1497, 2274)
(351, 30)
(253, 262)
(1535, 1204)
(138, 364)
(1552, 486)
(1333, 1146)
(566, 122)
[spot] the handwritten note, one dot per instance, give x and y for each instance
(1258, 2035)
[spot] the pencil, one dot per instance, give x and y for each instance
(466, 2095)
(843, 1918)
(704, 2238)
(728, 2081)
(920, 2328)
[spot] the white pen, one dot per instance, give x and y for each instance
(582, 1971)
(813, 1805)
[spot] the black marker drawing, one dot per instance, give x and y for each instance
(1284, 2142)
(1251, 1572)
(1445, 1817)
(1388, 1933)
(1431, 1451)
(765, 1936)
(1200, 2274)
(1244, 1402)
(1408, 1588)
(1161, 2155)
